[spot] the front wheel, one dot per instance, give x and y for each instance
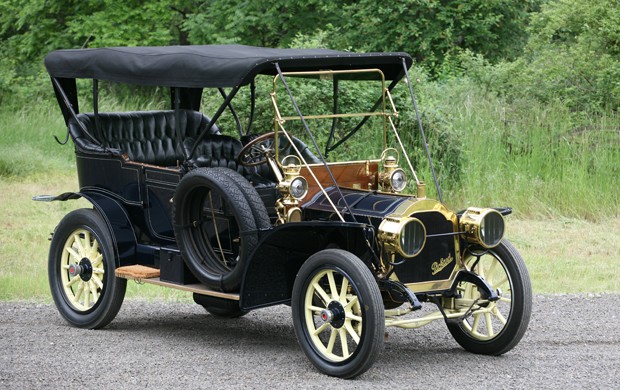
(81, 271)
(338, 313)
(493, 328)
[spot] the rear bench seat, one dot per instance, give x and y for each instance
(149, 137)
(144, 136)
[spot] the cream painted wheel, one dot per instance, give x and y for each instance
(81, 270)
(494, 328)
(328, 292)
(338, 313)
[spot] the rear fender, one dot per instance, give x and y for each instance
(115, 216)
(270, 274)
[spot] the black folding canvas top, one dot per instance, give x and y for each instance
(209, 65)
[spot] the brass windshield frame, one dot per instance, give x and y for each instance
(388, 122)
(280, 120)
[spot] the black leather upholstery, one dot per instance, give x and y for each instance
(222, 151)
(217, 151)
(145, 136)
(287, 149)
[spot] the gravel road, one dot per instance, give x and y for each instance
(572, 342)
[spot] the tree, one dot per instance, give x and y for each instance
(31, 29)
(258, 22)
(574, 51)
(436, 30)
(573, 55)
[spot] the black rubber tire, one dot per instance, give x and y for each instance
(520, 307)
(341, 264)
(112, 290)
(192, 228)
(259, 211)
(219, 307)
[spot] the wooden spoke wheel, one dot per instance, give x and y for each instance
(338, 313)
(493, 328)
(81, 270)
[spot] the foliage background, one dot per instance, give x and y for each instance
(519, 98)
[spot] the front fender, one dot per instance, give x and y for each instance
(115, 216)
(270, 274)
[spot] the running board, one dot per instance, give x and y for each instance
(143, 274)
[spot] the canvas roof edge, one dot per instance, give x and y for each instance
(208, 66)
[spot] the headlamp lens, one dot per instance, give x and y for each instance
(492, 229)
(412, 237)
(299, 187)
(398, 180)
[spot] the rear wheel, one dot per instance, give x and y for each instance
(493, 328)
(81, 269)
(219, 307)
(338, 313)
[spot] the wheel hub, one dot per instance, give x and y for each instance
(334, 314)
(84, 269)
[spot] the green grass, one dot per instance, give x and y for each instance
(24, 237)
(569, 255)
(542, 160)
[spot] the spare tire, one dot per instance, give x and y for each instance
(214, 227)
(259, 211)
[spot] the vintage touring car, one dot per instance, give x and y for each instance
(319, 209)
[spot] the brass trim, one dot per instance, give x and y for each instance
(471, 222)
(437, 285)
(281, 120)
(330, 116)
(316, 180)
(390, 233)
(346, 163)
(409, 208)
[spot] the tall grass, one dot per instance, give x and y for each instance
(543, 160)
(27, 146)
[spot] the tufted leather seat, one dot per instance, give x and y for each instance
(145, 136)
(217, 151)
(221, 151)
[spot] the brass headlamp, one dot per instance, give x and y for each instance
(482, 226)
(293, 185)
(405, 236)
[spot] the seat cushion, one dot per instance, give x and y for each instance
(217, 151)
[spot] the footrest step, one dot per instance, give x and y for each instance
(137, 272)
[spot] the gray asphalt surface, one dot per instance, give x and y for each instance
(573, 342)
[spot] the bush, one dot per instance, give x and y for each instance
(572, 57)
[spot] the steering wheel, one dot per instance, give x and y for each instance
(256, 151)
